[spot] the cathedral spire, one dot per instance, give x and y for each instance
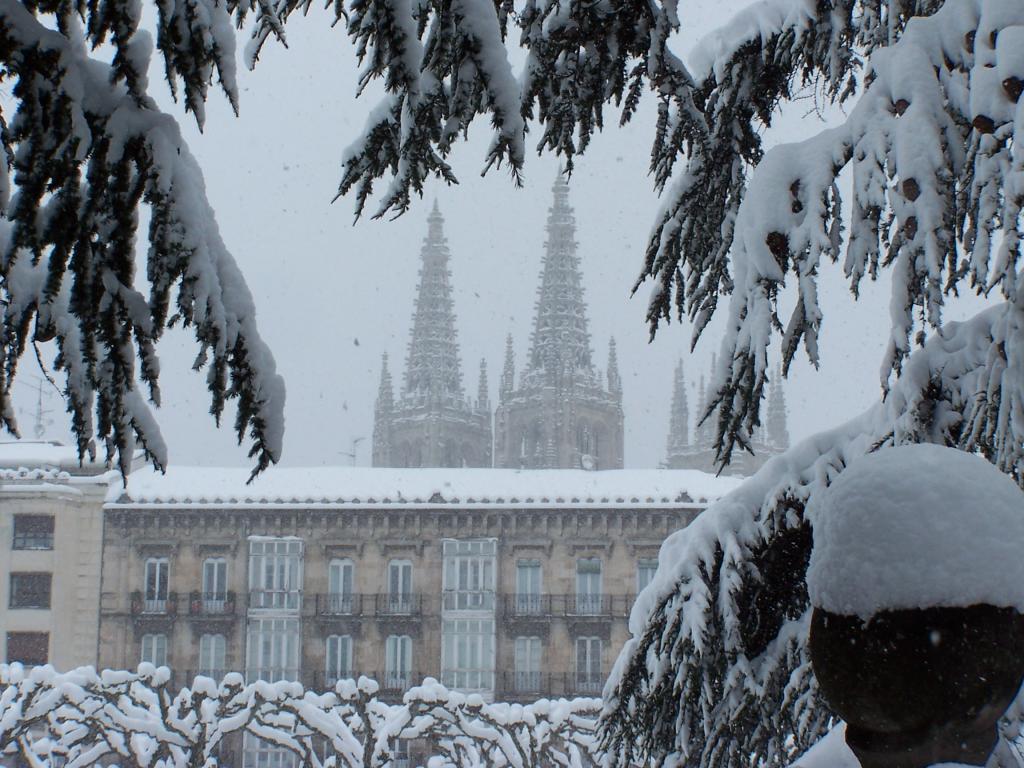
(703, 437)
(508, 373)
(614, 379)
(483, 400)
(432, 368)
(382, 414)
(679, 419)
(560, 342)
(776, 432)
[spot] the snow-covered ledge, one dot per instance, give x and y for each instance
(918, 591)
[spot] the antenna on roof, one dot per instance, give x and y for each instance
(354, 453)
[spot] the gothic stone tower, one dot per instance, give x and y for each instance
(562, 416)
(432, 423)
(769, 440)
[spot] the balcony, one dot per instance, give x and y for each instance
(599, 606)
(339, 605)
(529, 606)
(530, 686)
(212, 605)
(405, 604)
(275, 600)
(161, 606)
(468, 600)
(397, 683)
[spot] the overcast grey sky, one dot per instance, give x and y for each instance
(332, 296)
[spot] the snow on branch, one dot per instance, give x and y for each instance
(932, 146)
(80, 718)
(88, 147)
(717, 672)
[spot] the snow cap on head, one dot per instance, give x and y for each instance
(917, 526)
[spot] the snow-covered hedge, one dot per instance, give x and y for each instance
(81, 717)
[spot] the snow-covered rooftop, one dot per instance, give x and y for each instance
(358, 486)
(37, 460)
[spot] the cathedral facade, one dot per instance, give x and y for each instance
(684, 451)
(432, 423)
(562, 414)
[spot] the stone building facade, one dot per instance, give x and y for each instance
(561, 414)
(51, 523)
(432, 423)
(515, 585)
(697, 451)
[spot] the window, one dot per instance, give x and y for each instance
(340, 576)
(399, 586)
(28, 648)
(528, 587)
(275, 574)
(467, 654)
(30, 590)
(257, 753)
(272, 651)
(588, 585)
(154, 650)
(400, 757)
(339, 659)
(398, 662)
(215, 585)
(469, 574)
(645, 570)
(527, 661)
(33, 532)
(588, 665)
(212, 656)
(157, 576)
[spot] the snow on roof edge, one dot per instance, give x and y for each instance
(222, 487)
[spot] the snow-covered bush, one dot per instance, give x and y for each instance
(81, 718)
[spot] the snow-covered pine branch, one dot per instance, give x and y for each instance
(88, 147)
(932, 144)
(717, 672)
(81, 718)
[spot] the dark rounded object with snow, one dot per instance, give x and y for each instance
(921, 686)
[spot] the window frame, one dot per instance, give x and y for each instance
(398, 648)
(17, 637)
(155, 599)
(213, 660)
(589, 665)
(45, 534)
(342, 656)
(589, 600)
(157, 642)
(214, 594)
(528, 663)
(400, 602)
(645, 563)
(12, 593)
(340, 587)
